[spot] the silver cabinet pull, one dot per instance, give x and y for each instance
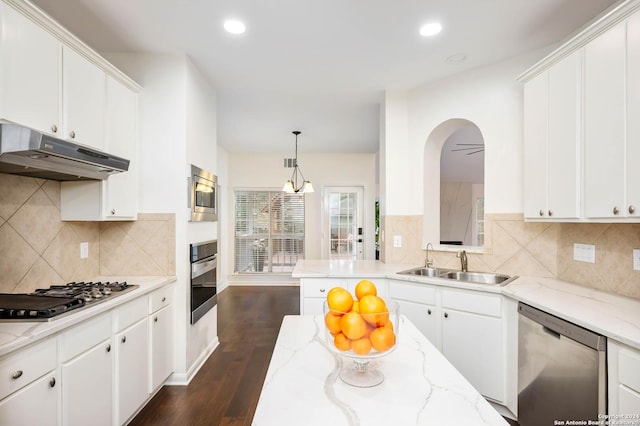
(322, 290)
(541, 212)
(446, 315)
(155, 319)
(52, 382)
(72, 134)
(616, 210)
(17, 375)
(428, 311)
(164, 299)
(113, 211)
(54, 128)
(632, 209)
(109, 348)
(124, 339)
(550, 213)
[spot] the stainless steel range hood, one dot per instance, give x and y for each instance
(28, 152)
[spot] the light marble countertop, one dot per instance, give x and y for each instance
(616, 317)
(15, 334)
(420, 386)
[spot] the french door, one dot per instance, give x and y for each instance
(343, 236)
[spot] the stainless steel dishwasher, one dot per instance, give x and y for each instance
(562, 371)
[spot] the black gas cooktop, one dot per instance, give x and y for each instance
(43, 304)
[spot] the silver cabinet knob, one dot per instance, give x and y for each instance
(616, 210)
(54, 128)
(113, 211)
(541, 212)
(632, 209)
(52, 382)
(428, 311)
(550, 213)
(124, 339)
(446, 315)
(322, 290)
(108, 348)
(164, 299)
(17, 374)
(72, 134)
(155, 319)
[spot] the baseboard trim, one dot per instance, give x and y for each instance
(183, 379)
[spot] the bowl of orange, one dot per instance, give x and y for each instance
(363, 328)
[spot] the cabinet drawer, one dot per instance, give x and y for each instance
(629, 369)
(26, 365)
(479, 303)
(418, 293)
(84, 336)
(160, 298)
(130, 313)
(319, 287)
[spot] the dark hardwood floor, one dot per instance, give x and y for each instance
(226, 389)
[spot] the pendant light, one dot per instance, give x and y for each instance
(291, 186)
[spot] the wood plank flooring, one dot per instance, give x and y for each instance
(226, 389)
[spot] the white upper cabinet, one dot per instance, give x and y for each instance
(584, 101)
(83, 100)
(552, 142)
(604, 124)
(30, 80)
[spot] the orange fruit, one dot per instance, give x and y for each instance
(341, 342)
(352, 325)
(332, 321)
(364, 288)
(374, 310)
(339, 299)
(361, 346)
(382, 339)
(356, 306)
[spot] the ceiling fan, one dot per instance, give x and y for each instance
(473, 148)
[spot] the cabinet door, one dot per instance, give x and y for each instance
(535, 146)
(423, 317)
(83, 100)
(87, 387)
(464, 334)
(35, 404)
(121, 197)
(131, 370)
(604, 123)
(161, 354)
(30, 73)
(633, 112)
(563, 146)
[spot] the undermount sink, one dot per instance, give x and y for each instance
(488, 278)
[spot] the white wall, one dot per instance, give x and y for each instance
(489, 97)
(266, 171)
(177, 126)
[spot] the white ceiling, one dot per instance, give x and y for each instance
(319, 67)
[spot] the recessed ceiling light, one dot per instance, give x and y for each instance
(234, 26)
(430, 29)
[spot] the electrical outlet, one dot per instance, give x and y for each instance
(397, 241)
(84, 250)
(584, 252)
(636, 259)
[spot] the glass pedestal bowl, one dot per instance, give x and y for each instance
(361, 372)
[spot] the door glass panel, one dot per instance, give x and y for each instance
(344, 221)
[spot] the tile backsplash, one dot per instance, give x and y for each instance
(37, 249)
(516, 247)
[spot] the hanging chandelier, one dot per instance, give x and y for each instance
(291, 186)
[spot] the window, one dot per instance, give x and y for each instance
(269, 231)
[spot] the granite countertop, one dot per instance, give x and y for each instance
(303, 385)
(616, 317)
(15, 334)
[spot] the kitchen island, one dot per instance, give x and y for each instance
(420, 386)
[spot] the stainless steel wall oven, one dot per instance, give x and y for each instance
(204, 270)
(203, 195)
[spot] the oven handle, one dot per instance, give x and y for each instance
(200, 268)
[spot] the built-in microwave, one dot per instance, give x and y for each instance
(203, 195)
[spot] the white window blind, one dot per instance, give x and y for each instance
(269, 231)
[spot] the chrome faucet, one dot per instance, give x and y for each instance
(428, 263)
(463, 260)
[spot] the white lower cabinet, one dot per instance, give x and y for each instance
(473, 342)
(624, 382)
(160, 322)
(86, 354)
(474, 330)
(26, 376)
